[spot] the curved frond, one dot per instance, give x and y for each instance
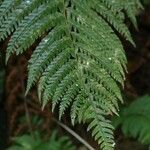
(79, 62)
(135, 120)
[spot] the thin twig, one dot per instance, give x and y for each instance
(74, 134)
(25, 104)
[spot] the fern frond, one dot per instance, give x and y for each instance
(6, 8)
(76, 106)
(26, 142)
(53, 83)
(135, 120)
(63, 86)
(13, 19)
(132, 9)
(33, 26)
(68, 97)
(79, 62)
(48, 55)
(101, 128)
(113, 18)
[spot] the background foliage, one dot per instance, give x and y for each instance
(135, 120)
(26, 142)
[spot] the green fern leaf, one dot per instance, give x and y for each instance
(79, 62)
(135, 120)
(26, 142)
